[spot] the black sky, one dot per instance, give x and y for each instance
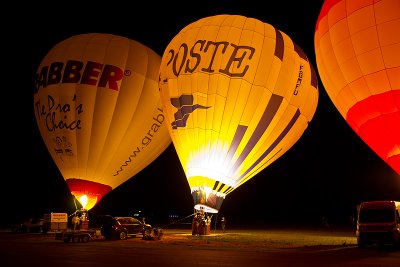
(327, 172)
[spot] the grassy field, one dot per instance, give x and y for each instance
(262, 238)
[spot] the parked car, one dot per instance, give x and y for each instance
(124, 227)
(32, 225)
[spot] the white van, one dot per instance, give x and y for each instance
(378, 222)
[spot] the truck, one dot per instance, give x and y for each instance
(378, 223)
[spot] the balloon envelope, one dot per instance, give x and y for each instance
(98, 109)
(357, 46)
(237, 94)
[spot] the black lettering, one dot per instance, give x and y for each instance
(155, 127)
(238, 59)
(299, 80)
(146, 140)
(176, 70)
(191, 58)
(135, 152)
(216, 45)
(195, 56)
(51, 111)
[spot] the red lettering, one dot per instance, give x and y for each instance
(55, 73)
(111, 75)
(41, 78)
(73, 71)
(91, 73)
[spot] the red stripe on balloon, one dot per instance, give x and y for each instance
(88, 186)
(376, 120)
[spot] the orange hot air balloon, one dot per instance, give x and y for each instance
(357, 46)
(237, 94)
(99, 111)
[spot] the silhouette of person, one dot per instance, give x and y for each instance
(223, 224)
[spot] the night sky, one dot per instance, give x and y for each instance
(326, 173)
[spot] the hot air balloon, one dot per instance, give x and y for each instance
(357, 47)
(237, 94)
(99, 111)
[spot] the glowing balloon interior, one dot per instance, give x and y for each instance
(99, 111)
(237, 94)
(357, 46)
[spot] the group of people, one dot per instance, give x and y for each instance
(201, 223)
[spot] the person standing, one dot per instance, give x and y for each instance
(223, 224)
(75, 222)
(195, 224)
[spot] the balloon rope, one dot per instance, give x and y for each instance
(178, 220)
(76, 208)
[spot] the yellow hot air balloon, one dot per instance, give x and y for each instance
(99, 111)
(237, 94)
(357, 47)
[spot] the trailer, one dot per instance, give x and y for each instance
(78, 232)
(76, 236)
